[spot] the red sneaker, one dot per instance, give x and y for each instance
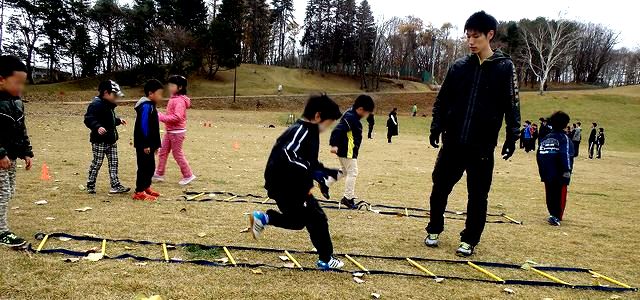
(143, 196)
(151, 192)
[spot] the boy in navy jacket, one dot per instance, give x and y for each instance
(146, 139)
(291, 170)
(555, 163)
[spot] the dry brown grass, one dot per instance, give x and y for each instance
(600, 230)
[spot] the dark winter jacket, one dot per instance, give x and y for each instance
(392, 124)
(544, 130)
(555, 158)
(101, 113)
(292, 162)
(347, 135)
(146, 133)
(600, 138)
(473, 100)
(14, 142)
(593, 135)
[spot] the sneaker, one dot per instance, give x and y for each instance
(349, 203)
(91, 191)
(186, 181)
(157, 178)
(553, 221)
(327, 178)
(465, 250)
(151, 192)
(119, 190)
(432, 240)
(333, 264)
(143, 196)
(258, 222)
(9, 239)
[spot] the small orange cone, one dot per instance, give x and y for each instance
(209, 124)
(236, 146)
(45, 172)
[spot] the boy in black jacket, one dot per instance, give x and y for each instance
(291, 169)
(555, 163)
(146, 139)
(593, 139)
(102, 120)
(345, 142)
(600, 142)
(14, 142)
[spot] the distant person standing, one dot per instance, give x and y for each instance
(600, 142)
(545, 129)
(371, 120)
(392, 124)
(414, 110)
(527, 136)
(577, 138)
(280, 89)
(592, 139)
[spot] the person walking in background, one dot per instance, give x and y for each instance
(592, 139)
(527, 137)
(414, 110)
(577, 138)
(371, 120)
(535, 135)
(392, 124)
(545, 129)
(524, 128)
(600, 142)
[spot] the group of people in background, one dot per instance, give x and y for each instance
(531, 133)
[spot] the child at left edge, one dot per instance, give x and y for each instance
(146, 139)
(14, 141)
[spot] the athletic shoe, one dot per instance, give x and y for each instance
(325, 179)
(151, 192)
(157, 178)
(333, 264)
(258, 222)
(91, 191)
(9, 239)
(349, 203)
(465, 250)
(188, 180)
(119, 190)
(553, 221)
(432, 240)
(143, 196)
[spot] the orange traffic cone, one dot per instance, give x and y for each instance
(45, 172)
(236, 146)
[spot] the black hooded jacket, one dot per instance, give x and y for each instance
(14, 142)
(146, 133)
(474, 99)
(101, 113)
(347, 135)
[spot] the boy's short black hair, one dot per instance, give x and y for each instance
(324, 105)
(10, 64)
(579, 124)
(601, 129)
(152, 86)
(481, 22)
(181, 82)
(594, 124)
(559, 120)
(364, 101)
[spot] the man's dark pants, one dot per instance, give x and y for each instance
(576, 146)
(369, 135)
(452, 162)
(146, 168)
(296, 213)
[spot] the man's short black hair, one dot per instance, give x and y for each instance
(594, 124)
(152, 86)
(10, 64)
(364, 101)
(579, 124)
(181, 82)
(481, 22)
(559, 120)
(324, 105)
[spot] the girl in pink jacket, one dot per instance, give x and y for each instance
(175, 122)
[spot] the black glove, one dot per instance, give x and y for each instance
(508, 149)
(325, 178)
(434, 139)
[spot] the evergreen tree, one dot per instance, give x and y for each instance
(283, 23)
(365, 37)
(257, 27)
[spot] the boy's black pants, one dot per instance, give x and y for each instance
(576, 147)
(452, 162)
(146, 167)
(370, 131)
(592, 148)
(298, 212)
(556, 194)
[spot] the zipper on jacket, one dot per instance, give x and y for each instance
(471, 104)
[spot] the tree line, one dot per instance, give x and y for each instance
(151, 38)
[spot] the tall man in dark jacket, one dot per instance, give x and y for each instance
(593, 136)
(479, 91)
(101, 119)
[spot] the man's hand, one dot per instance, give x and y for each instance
(123, 122)
(102, 131)
(5, 163)
(434, 139)
(28, 163)
(508, 149)
(147, 150)
(334, 150)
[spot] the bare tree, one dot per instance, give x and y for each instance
(545, 45)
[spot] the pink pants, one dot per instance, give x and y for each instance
(172, 142)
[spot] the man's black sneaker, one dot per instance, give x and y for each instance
(325, 179)
(465, 250)
(119, 190)
(349, 203)
(9, 239)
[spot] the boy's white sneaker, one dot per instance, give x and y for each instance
(332, 264)
(188, 180)
(258, 222)
(157, 178)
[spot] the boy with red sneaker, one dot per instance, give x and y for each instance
(146, 139)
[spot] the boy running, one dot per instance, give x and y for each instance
(101, 119)
(14, 141)
(345, 143)
(146, 139)
(291, 169)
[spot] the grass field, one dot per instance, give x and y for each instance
(600, 230)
